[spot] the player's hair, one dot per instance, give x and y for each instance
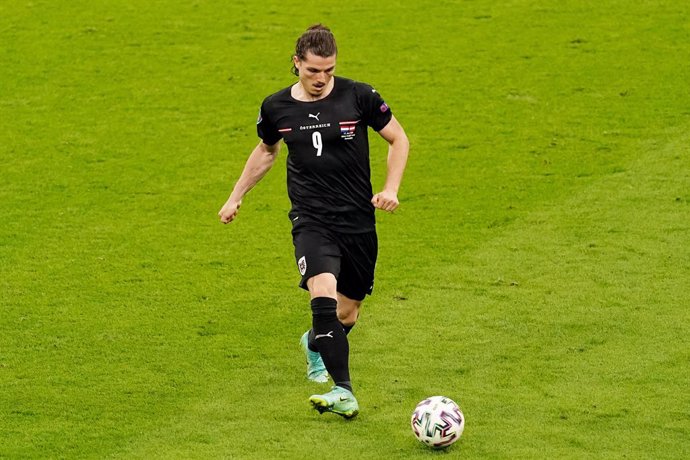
(319, 40)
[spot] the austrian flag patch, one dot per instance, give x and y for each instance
(347, 129)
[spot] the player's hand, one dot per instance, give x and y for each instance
(386, 200)
(229, 211)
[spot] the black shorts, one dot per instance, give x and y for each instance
(351, 257)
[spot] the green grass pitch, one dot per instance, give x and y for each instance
(537, 271)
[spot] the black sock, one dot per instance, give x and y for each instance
(347, 385)
(331, 340)
(311, 343)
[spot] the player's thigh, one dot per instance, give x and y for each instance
(316, 252)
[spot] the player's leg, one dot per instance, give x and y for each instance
(332, 343)
(329, 334)
(348, 311)
(323, 285)
(315, 254)
(318, 259)
(356, 279)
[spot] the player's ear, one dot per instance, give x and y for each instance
(295, 67)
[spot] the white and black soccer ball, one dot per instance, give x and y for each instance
(437, 422)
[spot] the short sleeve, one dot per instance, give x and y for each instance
(266, 130)
(375, 111)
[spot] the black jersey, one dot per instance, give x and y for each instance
(328, 174)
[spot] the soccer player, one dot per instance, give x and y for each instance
(323, 120)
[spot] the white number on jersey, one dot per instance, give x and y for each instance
(318, 144)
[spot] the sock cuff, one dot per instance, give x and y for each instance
(345, 384)
(324, 307)
(323, 302)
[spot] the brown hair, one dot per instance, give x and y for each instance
(319, 40)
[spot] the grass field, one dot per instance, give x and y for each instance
(537, 271)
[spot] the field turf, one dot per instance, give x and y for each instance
(537, 271)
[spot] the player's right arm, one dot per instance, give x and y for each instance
(259, 162)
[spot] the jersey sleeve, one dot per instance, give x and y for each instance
(375, 111)
(266, 130)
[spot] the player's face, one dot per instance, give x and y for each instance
(315, 72)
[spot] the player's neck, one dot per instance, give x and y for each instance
(299, 93)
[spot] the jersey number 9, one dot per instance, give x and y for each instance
(317, 142)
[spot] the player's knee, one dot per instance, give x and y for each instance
(322, 285)
(320, 291)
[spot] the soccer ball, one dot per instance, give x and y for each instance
(438, 422)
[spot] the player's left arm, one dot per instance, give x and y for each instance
(398, 149)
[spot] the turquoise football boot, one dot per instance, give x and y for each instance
(316, 370)
(339, 401)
